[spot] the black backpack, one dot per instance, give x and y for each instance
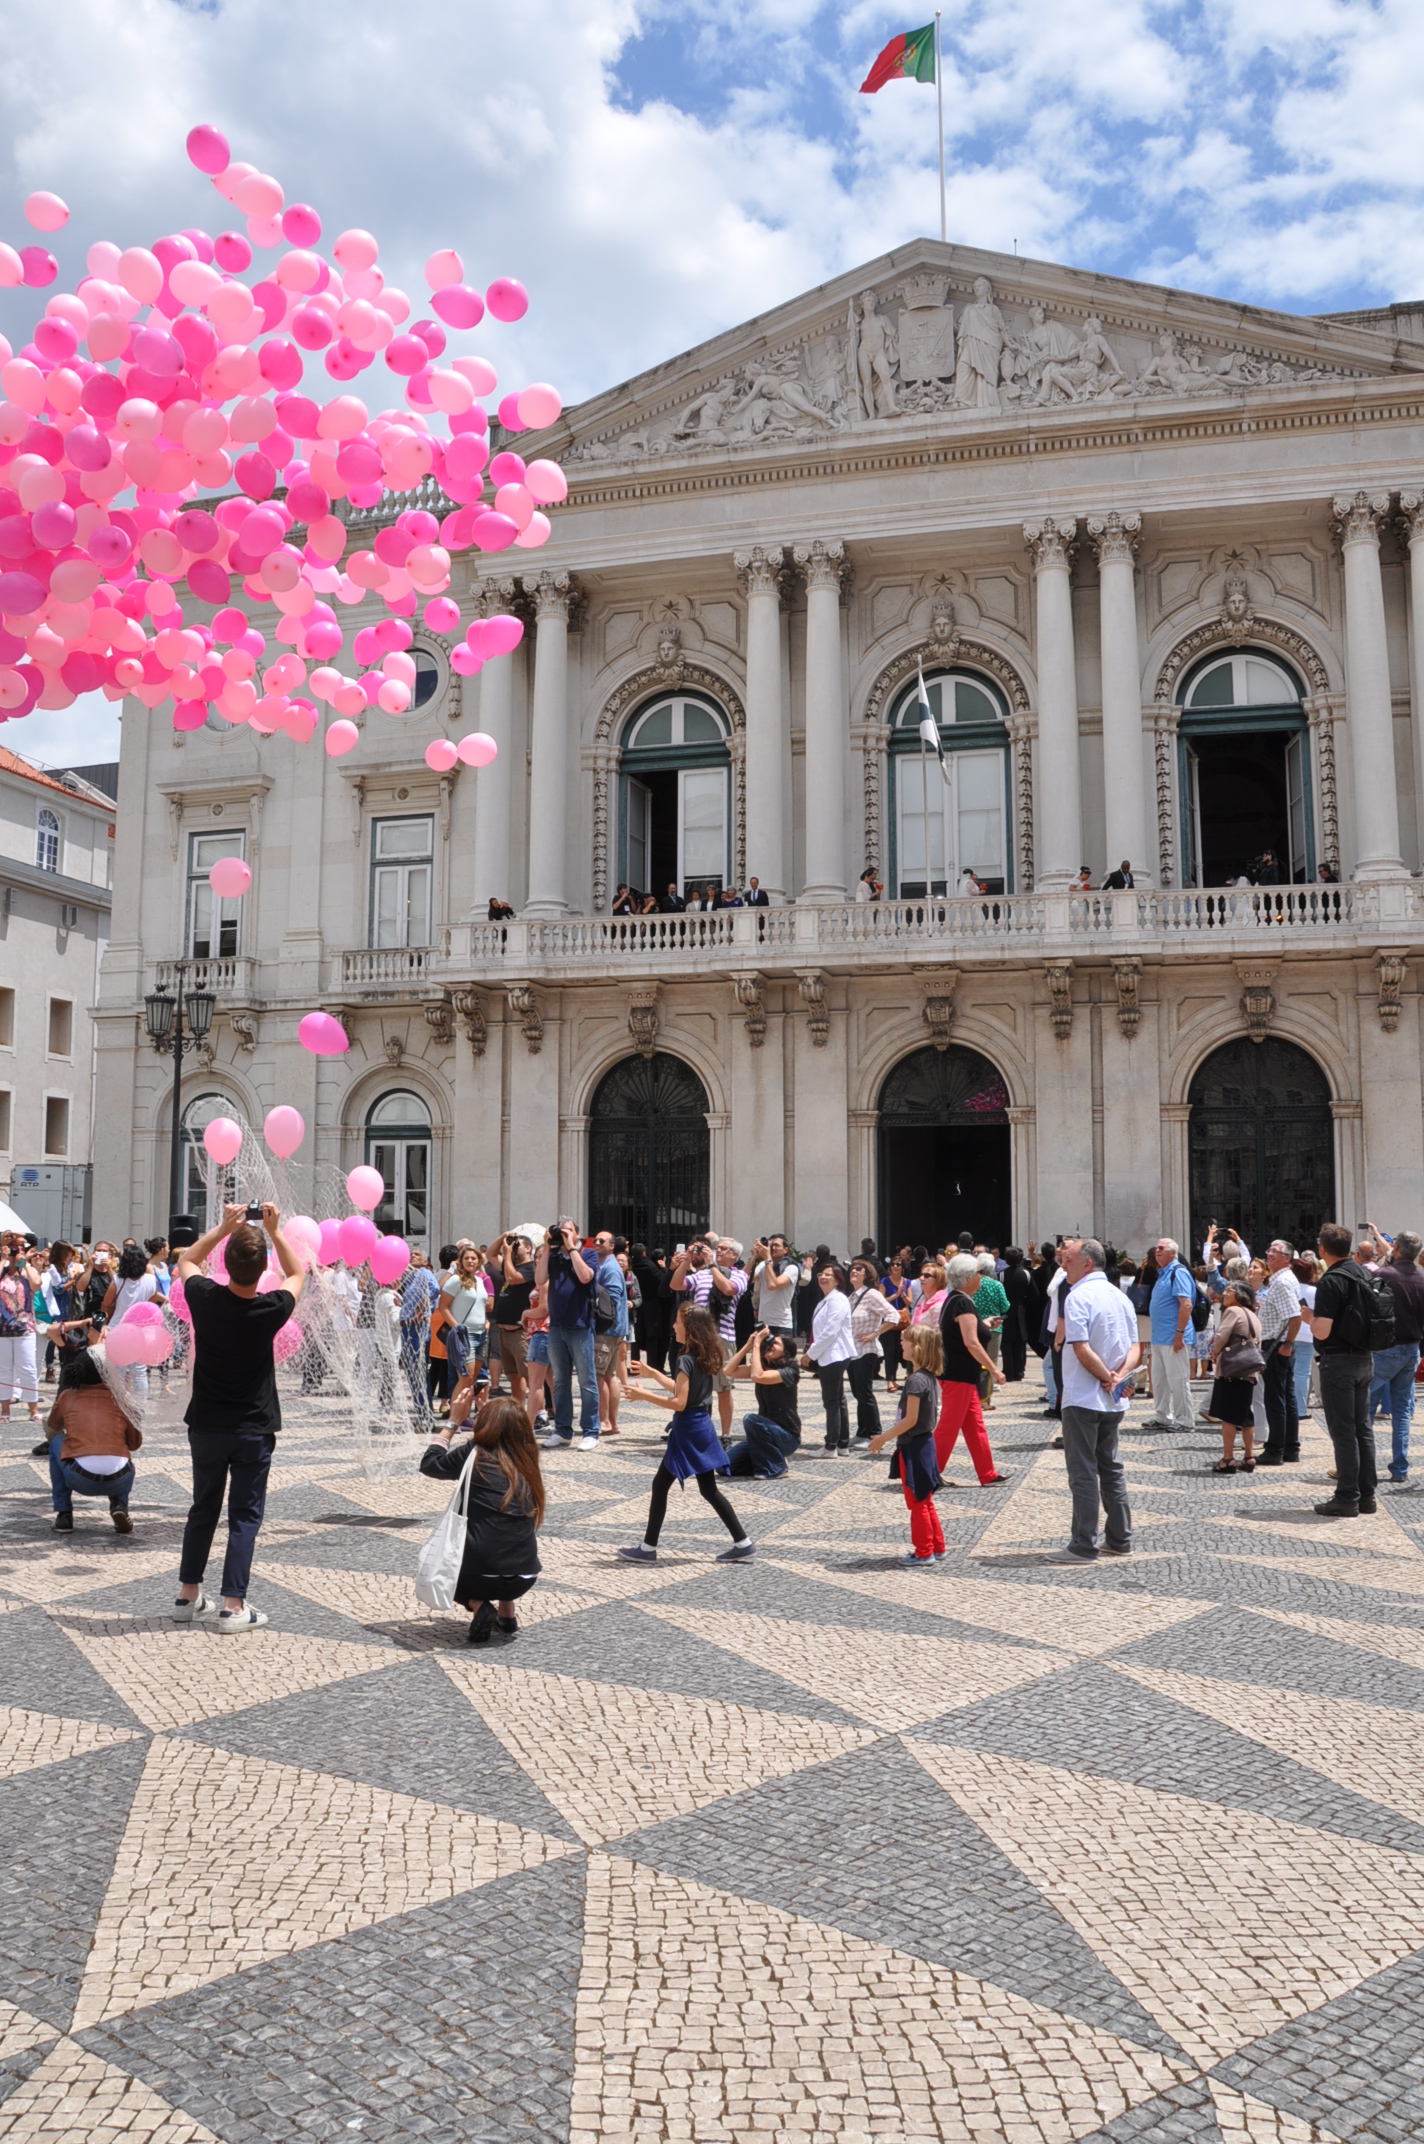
(1201, 1310)
(1370, 1315)
(605, 1311)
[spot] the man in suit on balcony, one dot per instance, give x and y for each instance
(1119, 881)
(672, 903)
(756, 895)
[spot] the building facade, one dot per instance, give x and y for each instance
(1157, 560)
(56, 873)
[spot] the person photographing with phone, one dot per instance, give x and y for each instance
(566, 1280)
(234, 1415)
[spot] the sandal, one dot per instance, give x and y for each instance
(1224, 1466)
(1248, 1466)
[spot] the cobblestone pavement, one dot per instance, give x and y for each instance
(811, 1847)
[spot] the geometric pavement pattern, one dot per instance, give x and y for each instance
(813, 1847)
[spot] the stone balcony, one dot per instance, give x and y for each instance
(854, 939)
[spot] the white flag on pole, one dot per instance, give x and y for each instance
(929, 728)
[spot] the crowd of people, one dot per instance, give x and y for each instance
(1234, 1343)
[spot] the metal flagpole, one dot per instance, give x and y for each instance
(939, 94)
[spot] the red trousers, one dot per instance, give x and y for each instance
(926, 1533)
(959, 1409)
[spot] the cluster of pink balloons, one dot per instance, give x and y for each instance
(165, 376)
(140, 1336)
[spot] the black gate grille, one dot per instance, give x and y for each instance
(1262, 1144)
(649, 1152)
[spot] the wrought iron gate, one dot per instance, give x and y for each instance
(649, 1162)
(1261, 1140)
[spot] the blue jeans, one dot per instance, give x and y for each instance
(1393, 1385)
(761, 1449)
(68, 1479)
(237, 1466)
(1050, 1377)
(414, 1339)
(570, 1352)
(1303, 1362)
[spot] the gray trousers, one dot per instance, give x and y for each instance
(1094, 1471)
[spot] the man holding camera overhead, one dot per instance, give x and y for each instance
(565, 1281)
(234, 1414)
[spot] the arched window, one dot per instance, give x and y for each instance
(950, 821)
(47, 840)
(206, 1187)
(1247, 811)
(675, 803)
(398, 1144)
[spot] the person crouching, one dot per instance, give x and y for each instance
(914, 1433)
(504, 1507)
(90, 1443)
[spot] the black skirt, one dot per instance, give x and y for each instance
(1231, 1401)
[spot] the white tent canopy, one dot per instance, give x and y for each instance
(9, 1219)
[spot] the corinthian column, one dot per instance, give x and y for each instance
(1368, 714)
(494, 784)
(1411, 512)
(827, 723)
(1114, 538)
(554, 595)
(768, 743)
(1059, 800)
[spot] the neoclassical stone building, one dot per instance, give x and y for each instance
(1157, 558)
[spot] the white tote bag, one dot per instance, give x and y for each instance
(437, 1570)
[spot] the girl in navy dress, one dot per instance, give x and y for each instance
(693, 1448)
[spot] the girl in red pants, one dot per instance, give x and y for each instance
(965, 1355)
(913, 1432)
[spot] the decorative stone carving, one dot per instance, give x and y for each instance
(981, 347)
(670, 657)
(1355, 516)
(1051, 543)
(244, 1026)
(440, 1019)
(1059, 974)
(926, 330)
(876, 355)
(1321, 715)
(555, 595)
(1258, 1000)
(205, 1053)
(1228, 630)
(1021, 740)
(747, 991)
(1236, 609)
(395, 1049)
(470, 1006)
(938, 1013)
(643, 1016)
(954, 649)
(1164, 732)
(760, 571)
(1086, 373)
(812, 985)
(1391, 966)
(1115, 537)
(1127, 976)
(824, 565)
(525, 1006)
(693, 677)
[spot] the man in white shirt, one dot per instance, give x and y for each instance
(1100, 1352)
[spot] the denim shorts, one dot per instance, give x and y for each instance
(539, 1347)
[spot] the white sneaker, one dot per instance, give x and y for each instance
(556, 1443)
(202, 1610)
(588, 1444)
(239, 1619)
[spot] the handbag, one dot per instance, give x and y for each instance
(437, 1568)
(1243, 1358)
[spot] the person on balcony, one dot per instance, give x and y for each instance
(757, 896)
(869, 887)
(499, 911)
(624, 901)
(1120, 880)
(672, 903)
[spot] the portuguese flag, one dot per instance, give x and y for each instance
(912, 53)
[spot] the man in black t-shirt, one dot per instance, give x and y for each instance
(234, 1414)
(769, 1359)
(1345, 1365)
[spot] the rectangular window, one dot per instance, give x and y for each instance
(979, 787)
(212, 924)
(7, 1019)
(640, 836)
(950, 822)
(61, 1027)
(402, 872)
(5, 1120)
(703, 826)
(47, 834)
(56, 1132)
(922, 868)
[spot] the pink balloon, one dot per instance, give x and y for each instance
(46, 212)
(330, 1243)
(389, 1260)
(230, 877)
(323, 1035)
(441, 756)
(501, 635)
(223, 1140)
(288, 1339)
(155, 1344)
(506, 299)
(208, 150)
(356, 1239)
(539, 405)
(284, 1129)
(444, 267)
(123, 1344)
(365, 1187)
(477, 750)
(142, 1314)
(341, 737)
(544, 481)
(304, 1235)
(178, 1301)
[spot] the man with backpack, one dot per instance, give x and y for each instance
(1170, 1310)
(1279, 1306)
(1353, 1317)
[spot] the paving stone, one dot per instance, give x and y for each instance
(1262, 1650)
(1354, 2067)
(454, 2024)
(42, 1670)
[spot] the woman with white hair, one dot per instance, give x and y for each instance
(965, 1358)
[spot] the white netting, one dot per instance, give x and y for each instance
(350, 1362)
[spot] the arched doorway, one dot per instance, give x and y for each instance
(1261, 1140)
(398, 1144)
(944, 1150)
(649, 1152)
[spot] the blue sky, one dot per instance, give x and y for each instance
(657, 170)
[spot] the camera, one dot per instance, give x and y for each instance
(254, 1211)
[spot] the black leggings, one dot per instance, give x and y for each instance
(707, 1484)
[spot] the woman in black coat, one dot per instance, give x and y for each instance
(1019, 1289)
(504, 1507)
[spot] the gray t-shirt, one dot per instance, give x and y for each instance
(776, 1307)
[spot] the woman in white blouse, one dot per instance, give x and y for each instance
(832, 1347)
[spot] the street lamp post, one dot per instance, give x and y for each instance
(164, 1016)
